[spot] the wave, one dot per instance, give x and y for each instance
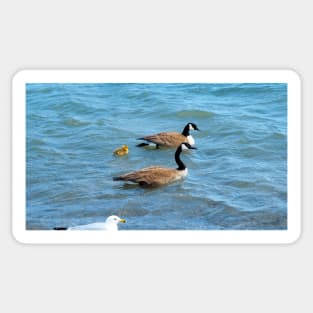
(244, 89)
(72, 122)
(195, 114)
(248, 220)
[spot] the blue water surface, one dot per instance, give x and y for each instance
(237, 177)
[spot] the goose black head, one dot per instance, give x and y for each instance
(188, 128)
(193, 126)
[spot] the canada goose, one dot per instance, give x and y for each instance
(157, 175)
(110, 224)
(170, 139)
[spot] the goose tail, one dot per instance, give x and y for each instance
(143, 144)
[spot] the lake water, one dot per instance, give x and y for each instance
(237, 177)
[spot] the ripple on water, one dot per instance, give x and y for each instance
(72, 122)
(248, 220)
(199, 114)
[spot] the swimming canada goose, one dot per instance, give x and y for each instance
(170, 139)
(109, 224)
(157, 175)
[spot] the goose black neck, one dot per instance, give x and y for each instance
(185, 132)
(181, 165)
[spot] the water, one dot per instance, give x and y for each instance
(237, 177)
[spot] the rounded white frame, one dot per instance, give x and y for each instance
(290, 235)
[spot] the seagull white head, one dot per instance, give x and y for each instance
(114, 219)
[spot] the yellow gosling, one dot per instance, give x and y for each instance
(121, 151)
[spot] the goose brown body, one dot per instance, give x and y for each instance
(166, 139)
(153, 176)
(171, 139)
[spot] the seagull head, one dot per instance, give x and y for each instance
(114, 219)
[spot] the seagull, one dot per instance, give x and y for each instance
(110, 224)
